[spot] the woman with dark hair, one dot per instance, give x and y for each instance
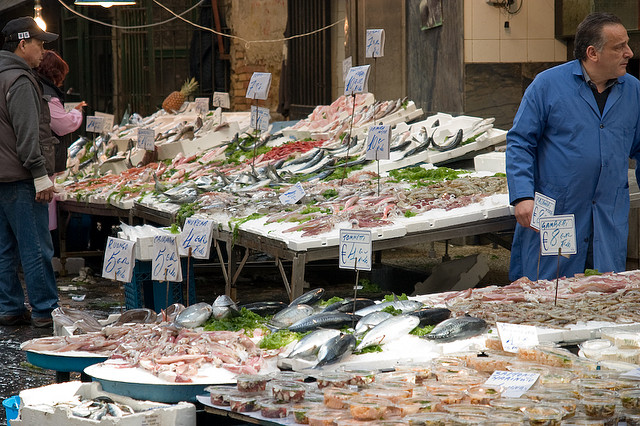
(52, 72)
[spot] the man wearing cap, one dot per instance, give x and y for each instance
(25, 187)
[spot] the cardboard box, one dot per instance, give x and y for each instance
(37, 408)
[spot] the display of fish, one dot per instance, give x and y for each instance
(137, 316)
(431, 316)
(333, 319)
(308, 298)
(290, 315)
(336, 348)
(224, 307)
(349, 305)
(388, 330)
(457, 328)
(99, 408)
(81, 320)
(264, 308)
(369, 321)
(308, 346)
(401, 305)
(194, 315)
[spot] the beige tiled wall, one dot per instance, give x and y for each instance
(529, 38)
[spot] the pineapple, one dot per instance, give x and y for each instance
(174, 101)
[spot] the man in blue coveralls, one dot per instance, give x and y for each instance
(577, 125)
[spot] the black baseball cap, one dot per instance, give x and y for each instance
(24, 28)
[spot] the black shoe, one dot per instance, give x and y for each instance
(21, 319)
(43, 322)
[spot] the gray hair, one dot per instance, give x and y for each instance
(589, 33)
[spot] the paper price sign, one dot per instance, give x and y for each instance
(118, 260)
(202, 105)
(375, 44)
(514, 383)
(94, 124)
(357, 80)
(221, 99)
(259, 85)
(70, 106)
(260, 118)
(543, 206)
(378, 143)
(355, 249)
(146, 138)
(165, 263)
(515, 336)
(558, 234)
(293, 194)
(346, 66)
(107, 123)
(196, 236)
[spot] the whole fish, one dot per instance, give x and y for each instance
(137, 316)
(74, 317)
(309, 297)
(264, 308)
(323, 319)
(388, 330)
(347, 305)
(431, 316)
(457, 328)
(194, 315)
(224, 307)
(453, 142)
(369, 321)
(336, 348)
(308, 346)
(290, 315)
(401, 305)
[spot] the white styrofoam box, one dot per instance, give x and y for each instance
(97, 199)
(210, 140)
(419, 223)
(396, 161)
(123, 203)
(169, 150)
(462, 215)
(37, 408)
(496, 205)
(116, 165)
(490, 162)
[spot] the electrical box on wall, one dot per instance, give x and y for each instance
(500, 2)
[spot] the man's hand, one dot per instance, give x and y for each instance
(45, 196)
(524, 210)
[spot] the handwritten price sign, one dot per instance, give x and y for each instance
(515, 336)
(95, 124)
(118, 260)
(165, 264)
(515, 383)
(375, 44)
(259, 85)
(558, 233)
(355, 249)
(543, 206)
(221, 99)
(146, 138)
(260, 118)
(197, 237)
(378, 143)
(357, 80)
(107, 121)
(293, 194)
(202, 105)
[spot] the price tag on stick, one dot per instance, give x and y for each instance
(260, 118)
(357, 80)
(355, 249)
(543, 206)
(259, 85)
(95, 124)
(221, 99)
(196, 235)
(558, 235)
(146, 139)
(378, 143)
(202, 105)
(118, 260)
(165, 264)
(375, 44)
(293, 194)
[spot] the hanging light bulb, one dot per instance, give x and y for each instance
(37, 15)
(104, 3)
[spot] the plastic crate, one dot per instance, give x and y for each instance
(143, 292)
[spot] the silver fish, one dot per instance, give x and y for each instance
(309, 344)
(457, 328)
(291, 315)
(388, 330)
(224, 307)
(309, 297)
(322, 319)
(370, 320)
(73, 317)
(336, 348)
(137, 316)
(194, 315)
(401, 305)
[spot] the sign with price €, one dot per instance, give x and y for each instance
(514, 383)
(355, 250)
(146, 139)
(165, 263)
(543, 206)
(94, 124)
(202, 105)
(357, 80)
(374, 44)
(260, 118)
(107, 121)
(378, 143)
(196, 235)
(293, 194)
(221, 99)
(259, 85)
(515, 336)
(558, 235)
(118, 260)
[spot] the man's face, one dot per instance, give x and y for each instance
(612, 60)
(32, 51)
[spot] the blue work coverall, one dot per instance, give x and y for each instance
(561, 146)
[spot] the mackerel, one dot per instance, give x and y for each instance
(401, 305)
(309, 344)
(323, 319)
(336, 348)
(457, 328)
(388, 330)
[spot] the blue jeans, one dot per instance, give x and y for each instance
(24, 235)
